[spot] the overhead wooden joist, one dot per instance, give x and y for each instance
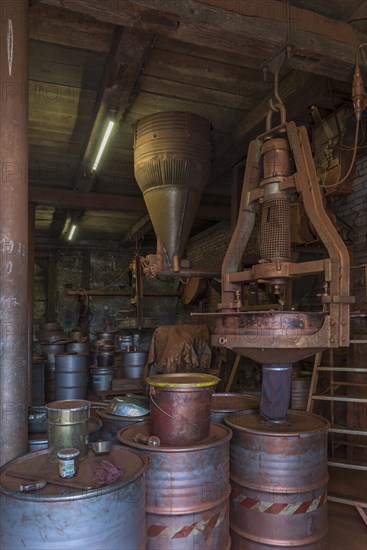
(65, 198)
(320, 45)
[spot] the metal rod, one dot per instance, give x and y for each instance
(14, 229)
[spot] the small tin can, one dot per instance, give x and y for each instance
(68, 462)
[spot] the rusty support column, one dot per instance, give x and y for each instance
(31, 256)
(13, 228)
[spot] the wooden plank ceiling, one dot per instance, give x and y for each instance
(139, 57)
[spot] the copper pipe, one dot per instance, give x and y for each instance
(13, 229)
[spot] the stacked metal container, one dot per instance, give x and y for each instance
(187, 486)
(71, 376)
(50, 351)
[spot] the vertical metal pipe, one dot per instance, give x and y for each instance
(31, 237)
(13, 228)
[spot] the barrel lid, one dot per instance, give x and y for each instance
(227, 402)
(68, 405)
(298, 423)
(182, 380)
(218, 434)
(38, 438)
(131, 462)
(102, 413)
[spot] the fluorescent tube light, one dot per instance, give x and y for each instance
(103, 144)
(71, 232)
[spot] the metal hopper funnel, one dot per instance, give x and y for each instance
(172, 155)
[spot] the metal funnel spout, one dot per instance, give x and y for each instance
(172, 156)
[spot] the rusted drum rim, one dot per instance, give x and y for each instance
(206, 443)
(82, 494)
(281, 430)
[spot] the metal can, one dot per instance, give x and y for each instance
(68, 462)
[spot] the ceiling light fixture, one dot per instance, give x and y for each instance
(71, 232)
(110, 125)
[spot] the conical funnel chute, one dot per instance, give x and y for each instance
(172, 155)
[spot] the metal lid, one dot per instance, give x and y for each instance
(68, 453)
(218, 435)
(68, 405)
(223, 402)
(130, 461)
(182, 380)
(299, 423)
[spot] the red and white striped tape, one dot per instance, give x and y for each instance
(281, 507)
(203, 527)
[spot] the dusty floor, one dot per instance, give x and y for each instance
(347, 530)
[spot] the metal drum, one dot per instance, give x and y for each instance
(112, 423)
(38, 380)
(105, 358)
(187, 491)
(101, 378)
(78, 347)
(227, 403)
(125, 342)
(50, 351)
(68, 426)
(279, 482)
(300, 390)
(112, 516)
(132, 363)
(71, 376)
(180, 406)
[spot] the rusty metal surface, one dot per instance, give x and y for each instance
(180, 407)
(14, 231)
(275, 336)
(280, 499)
(172, 155)
(227, 403)
(268, 159)
(187, 490)
(110, 517)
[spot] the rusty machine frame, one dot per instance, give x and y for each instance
(279, 162)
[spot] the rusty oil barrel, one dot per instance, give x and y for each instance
(187, 491)
(300, 390)
(180, 406)
(279, 482)
(111, 516)
(227, 403)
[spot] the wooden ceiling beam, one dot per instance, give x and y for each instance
(138, 230)
(66, 198)
(320, 45)
(116, 93)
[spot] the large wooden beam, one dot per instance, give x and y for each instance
(117, 90)
(65, 198)
(320, 45)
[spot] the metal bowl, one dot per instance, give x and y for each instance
(101, 447)
(128, 406)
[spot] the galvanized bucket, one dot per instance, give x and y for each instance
(68, 426)
(101, 378)
(180, 406)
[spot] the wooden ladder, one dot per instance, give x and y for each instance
(330, 395)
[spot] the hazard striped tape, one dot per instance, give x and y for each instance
(281, 507)
(203, 527)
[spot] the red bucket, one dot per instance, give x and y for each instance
(180, 407)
